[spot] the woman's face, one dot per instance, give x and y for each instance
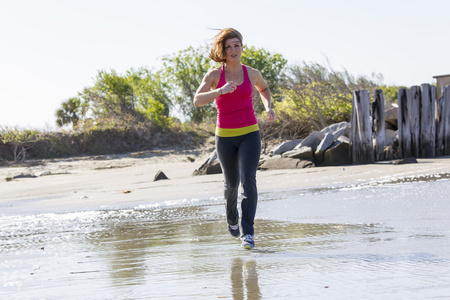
(233, 49)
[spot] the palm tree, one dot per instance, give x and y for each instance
(69, 113)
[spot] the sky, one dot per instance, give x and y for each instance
(51, 50)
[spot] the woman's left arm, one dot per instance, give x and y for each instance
(264, 91)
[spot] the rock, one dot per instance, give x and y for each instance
(390, 136)
(314, 146)
(389, 104)
(214, 168)
(160, 176)
(285, 163)
(304, 153)
(24, 176)
(390, 126)
(391, 118)
(343, 139)
(304, 164)
(210, 166)
(61, 172)
(338, 153)
(140, 154)
(43, 173)
(284, 147)
(338, 129)
(407, 160)
(389, 152)
(391, 113)
(262, 159)
(326, 143)
(313, 140)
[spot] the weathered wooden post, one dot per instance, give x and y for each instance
(439, 127)
(378, 125)
(427, 122)
(415, 120)
(446, 119)
(404, 132)
(361, 145)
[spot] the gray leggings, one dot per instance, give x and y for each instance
(239, 158)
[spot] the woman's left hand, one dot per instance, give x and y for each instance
(270, 115)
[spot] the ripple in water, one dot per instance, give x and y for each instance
(376, 242)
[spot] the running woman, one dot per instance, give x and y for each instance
(238, 141)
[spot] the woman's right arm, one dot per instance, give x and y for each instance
(204, 94)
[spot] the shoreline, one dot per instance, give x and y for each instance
(98, 182)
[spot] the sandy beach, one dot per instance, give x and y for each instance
(100, 226)
(94, 182)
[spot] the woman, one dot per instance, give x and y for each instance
(238, 142)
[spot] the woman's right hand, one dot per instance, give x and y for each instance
(229, 87)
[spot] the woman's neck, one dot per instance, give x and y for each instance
(233, 66)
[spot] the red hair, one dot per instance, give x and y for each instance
(217, 52)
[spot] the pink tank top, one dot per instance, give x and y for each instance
(235, 110)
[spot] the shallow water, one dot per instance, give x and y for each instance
(386, 240)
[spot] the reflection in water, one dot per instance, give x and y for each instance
(303, 244)
(149, 249)
(143, 241)
(126, 255)
(244, 277)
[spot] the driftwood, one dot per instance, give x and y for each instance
(378, 125)
(415, 120)
(427, 121)
(404, 132)
(361, 145)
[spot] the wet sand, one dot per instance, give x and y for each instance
(91, 182)
(102, 229)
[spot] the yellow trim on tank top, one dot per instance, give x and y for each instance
(230, 132)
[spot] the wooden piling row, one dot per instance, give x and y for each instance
(423, 124)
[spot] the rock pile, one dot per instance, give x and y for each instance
(328, 147)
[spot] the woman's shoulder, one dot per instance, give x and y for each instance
(216, 70)
(252, 72)
(212, 77)
(214, 73)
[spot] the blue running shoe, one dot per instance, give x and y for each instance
(248, 242)
(234, 230)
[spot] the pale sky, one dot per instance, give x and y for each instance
(51, 50)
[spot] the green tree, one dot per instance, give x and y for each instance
(116, 95)
(148, 89)
(71, 112)
(184, 72)
(136, 96)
